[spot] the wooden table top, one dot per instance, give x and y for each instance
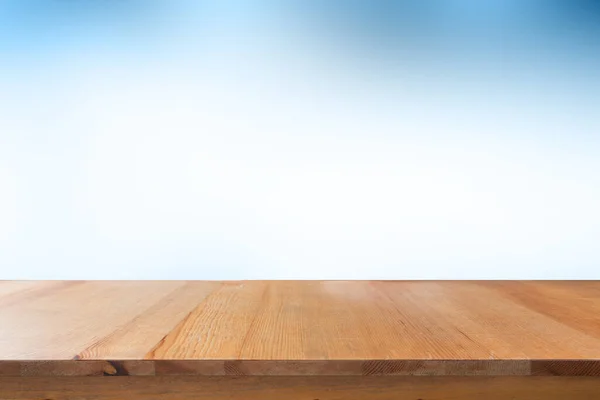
(299, 328)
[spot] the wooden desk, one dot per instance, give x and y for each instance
(304, 340)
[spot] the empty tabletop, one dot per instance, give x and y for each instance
(56, 328)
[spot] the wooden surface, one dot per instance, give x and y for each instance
(300, 388)
(350, 328)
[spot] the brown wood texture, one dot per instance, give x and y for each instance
(300, 388)
(171, 329)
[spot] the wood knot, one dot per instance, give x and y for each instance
(109, 369)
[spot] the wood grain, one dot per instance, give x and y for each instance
(300, 388)
(285, 328)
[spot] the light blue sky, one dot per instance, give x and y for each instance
(229, 140)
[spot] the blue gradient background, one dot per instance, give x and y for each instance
(299, 139)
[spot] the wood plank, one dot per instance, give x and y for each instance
(130, 341)
(302, 368)
(300, 388)
(218, 327)
(571, 303)
(58, 321)
(536, 335)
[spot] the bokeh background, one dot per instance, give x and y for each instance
(447, 139)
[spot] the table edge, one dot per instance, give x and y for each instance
(495, 367)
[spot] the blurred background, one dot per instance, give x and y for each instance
(374, 139)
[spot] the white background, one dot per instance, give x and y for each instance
(257, 158)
